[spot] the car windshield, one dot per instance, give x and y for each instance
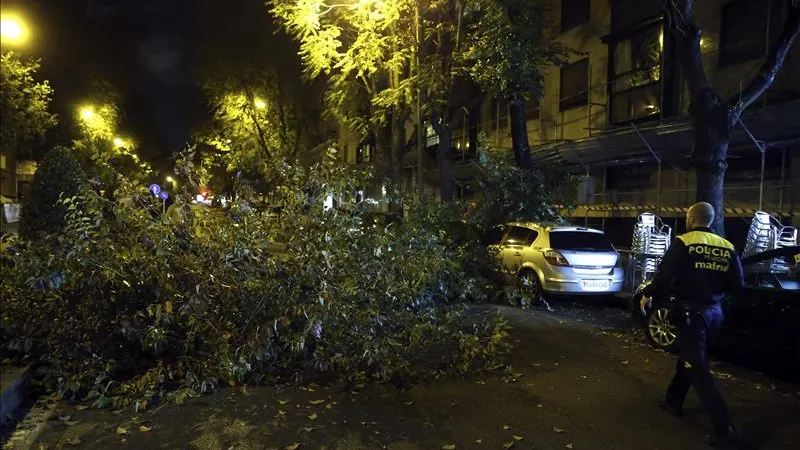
(580, 241)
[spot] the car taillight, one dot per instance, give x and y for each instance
(555, 259)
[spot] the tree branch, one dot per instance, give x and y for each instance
(772, 65)
(681, 15)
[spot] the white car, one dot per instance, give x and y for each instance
(558, 259)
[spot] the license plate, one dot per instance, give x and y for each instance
(596, 285)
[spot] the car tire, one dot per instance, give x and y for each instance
(660, 331)
(532, 285)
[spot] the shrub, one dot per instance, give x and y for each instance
(130, 309)
(59, 175)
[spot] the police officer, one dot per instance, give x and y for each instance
(699, 267)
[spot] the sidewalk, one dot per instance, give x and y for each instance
(578, 388)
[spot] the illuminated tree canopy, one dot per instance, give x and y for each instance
(24, 103)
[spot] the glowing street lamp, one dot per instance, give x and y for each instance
(87, 113)
(118, 142)
(13, 30)
(260, 104)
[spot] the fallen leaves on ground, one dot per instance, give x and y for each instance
(506, 427)
(518, 438)
(283, 402)
(449, 447)
(144, 428)
(313, 416)
(569, 445)
(74, 442)
(316, 402)
(558, 430)
(294, 446)
(82, 407)
(121, 430)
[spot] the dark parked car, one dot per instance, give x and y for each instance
(761, 330)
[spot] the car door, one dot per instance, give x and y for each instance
(760, 325)
(514, 244)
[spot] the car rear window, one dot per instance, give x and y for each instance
(580, 240)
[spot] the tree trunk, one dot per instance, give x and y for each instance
(712, 126)
(445, 162)
(519, 133)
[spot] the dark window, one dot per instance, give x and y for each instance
(743, 36)
(532, 109)
(499, 114)
(364, 153)
(746, 166)
(628, 13)
(635, 87)
(631, 177)
(574, 13)
(580, 240)
(574, 85)
(519, 236)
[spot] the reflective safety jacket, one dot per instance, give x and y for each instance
(700, 268)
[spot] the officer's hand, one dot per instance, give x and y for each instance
(643, 303)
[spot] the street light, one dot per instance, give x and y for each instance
(87, 113)
(260, 104)
(118, 142)
(13, 30)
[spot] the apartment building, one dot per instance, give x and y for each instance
(617, 113)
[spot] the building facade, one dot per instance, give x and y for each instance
(617, 113)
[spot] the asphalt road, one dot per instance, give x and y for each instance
(584, 383)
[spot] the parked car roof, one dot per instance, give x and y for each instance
(549, 226)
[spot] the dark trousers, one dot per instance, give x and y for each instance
(696, 330)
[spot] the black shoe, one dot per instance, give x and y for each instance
(674, 411)
(729, 438)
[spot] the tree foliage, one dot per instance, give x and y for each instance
(507, 45)
(24, 103)
(59, 176)
(140, 307)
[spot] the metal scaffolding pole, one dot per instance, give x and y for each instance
(658, 159)
(763, 149)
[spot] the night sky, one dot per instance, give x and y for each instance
(149, 53)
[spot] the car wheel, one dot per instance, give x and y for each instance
(531, 287)
(660, 331)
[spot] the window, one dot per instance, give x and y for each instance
(630, 13)
(743, 36)
(532, 109)
(574, 13)
(520, 236)
(499, 114)
(635, 88)
(629, 178)
(574, 85)
(580, 240)
(364, 153)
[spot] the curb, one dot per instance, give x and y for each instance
(13, 381)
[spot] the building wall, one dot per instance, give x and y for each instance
(588, 120)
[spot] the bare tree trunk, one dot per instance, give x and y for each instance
(519, 133)
(711, 126)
